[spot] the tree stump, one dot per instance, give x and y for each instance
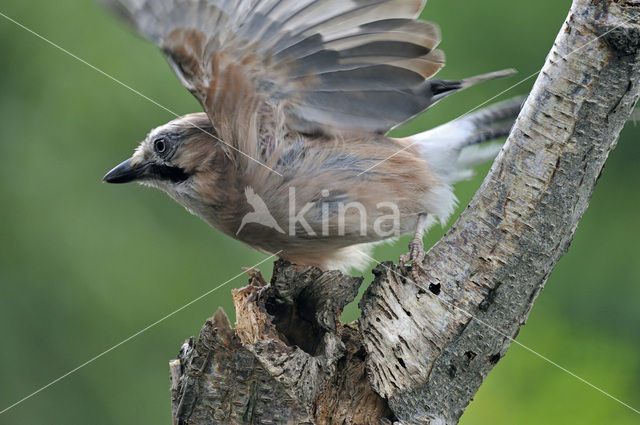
(421, 349)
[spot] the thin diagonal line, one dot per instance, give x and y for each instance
(498, 95)
(157, 322)
(471, 316)
(114, 79)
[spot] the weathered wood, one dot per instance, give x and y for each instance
(421, 349)
(288, 361)
(427, 356)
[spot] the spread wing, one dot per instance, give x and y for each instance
(323, 66)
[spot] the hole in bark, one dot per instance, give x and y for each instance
(470, 355)
(435, 288)
(494, 359)
(295, 324)
(402, 362)
(489, 299)
(452, 371)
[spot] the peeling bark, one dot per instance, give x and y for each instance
(421, 349)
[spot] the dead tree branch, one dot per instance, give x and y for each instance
(421, 350)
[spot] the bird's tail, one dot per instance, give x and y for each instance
(453, 149)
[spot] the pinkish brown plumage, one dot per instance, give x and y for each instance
(290, 155)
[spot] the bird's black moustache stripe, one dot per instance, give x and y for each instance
(126, 172)
(165, 172)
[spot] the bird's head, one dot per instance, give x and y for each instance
(171, 156)
(186, 159)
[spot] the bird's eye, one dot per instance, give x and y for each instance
(160, 146)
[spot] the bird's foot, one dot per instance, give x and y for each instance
(415, 256)
(255, 292)
(256, 288)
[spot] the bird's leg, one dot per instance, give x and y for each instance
(255, 292)
(256, 288)
(416, 249)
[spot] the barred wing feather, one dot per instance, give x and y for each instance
(328, 66)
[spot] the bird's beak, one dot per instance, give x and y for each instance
(125, 173)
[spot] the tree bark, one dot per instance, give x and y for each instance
(420, 350)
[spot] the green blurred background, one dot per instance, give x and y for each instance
(84, 265)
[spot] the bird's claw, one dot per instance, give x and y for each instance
(256, 288)
(254, 292)
(415, 256)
